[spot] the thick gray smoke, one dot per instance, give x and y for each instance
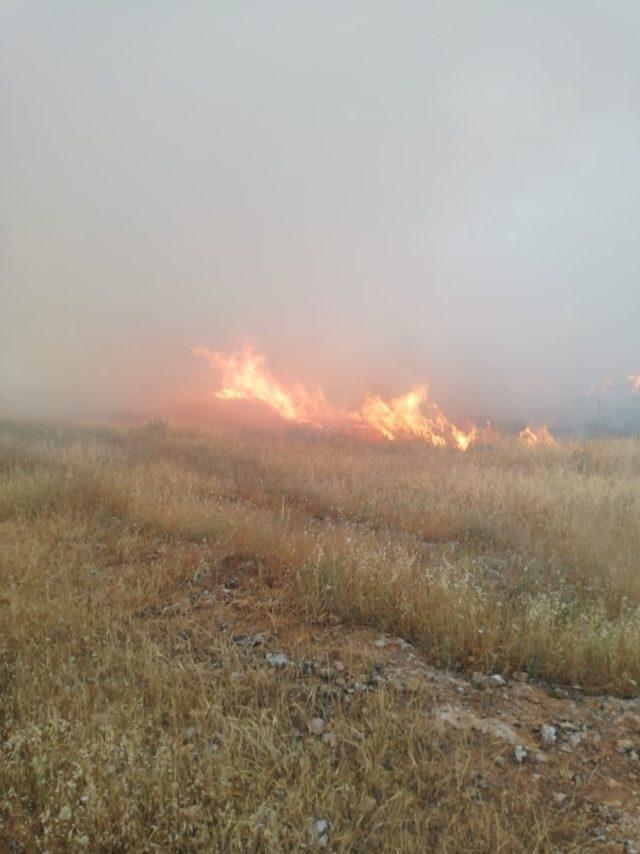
(374, 193)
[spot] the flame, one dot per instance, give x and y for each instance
(403, 417)
(634, 381)
(536, 436)
(244, 375)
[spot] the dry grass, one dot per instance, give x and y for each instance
(130, 725)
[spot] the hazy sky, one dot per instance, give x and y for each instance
(374, 193)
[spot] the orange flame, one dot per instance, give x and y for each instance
(244, 375)
(402, 417)
(536, 436)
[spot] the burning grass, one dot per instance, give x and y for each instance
(244, 375)
(124, 730)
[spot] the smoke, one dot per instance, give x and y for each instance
(375, 195)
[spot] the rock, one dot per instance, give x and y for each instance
(520, 753)
(559, 798)
(630, 847)
(558, 693)
(279, 660)
(466, 719)
(316, 726)
(321, 829)
(548, 735)
(481, 681)
(381, 642)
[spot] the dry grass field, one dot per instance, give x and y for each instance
(149, 578)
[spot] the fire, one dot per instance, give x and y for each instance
(634, 381)
(403, 417)
(536, 436)
(244, 375)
